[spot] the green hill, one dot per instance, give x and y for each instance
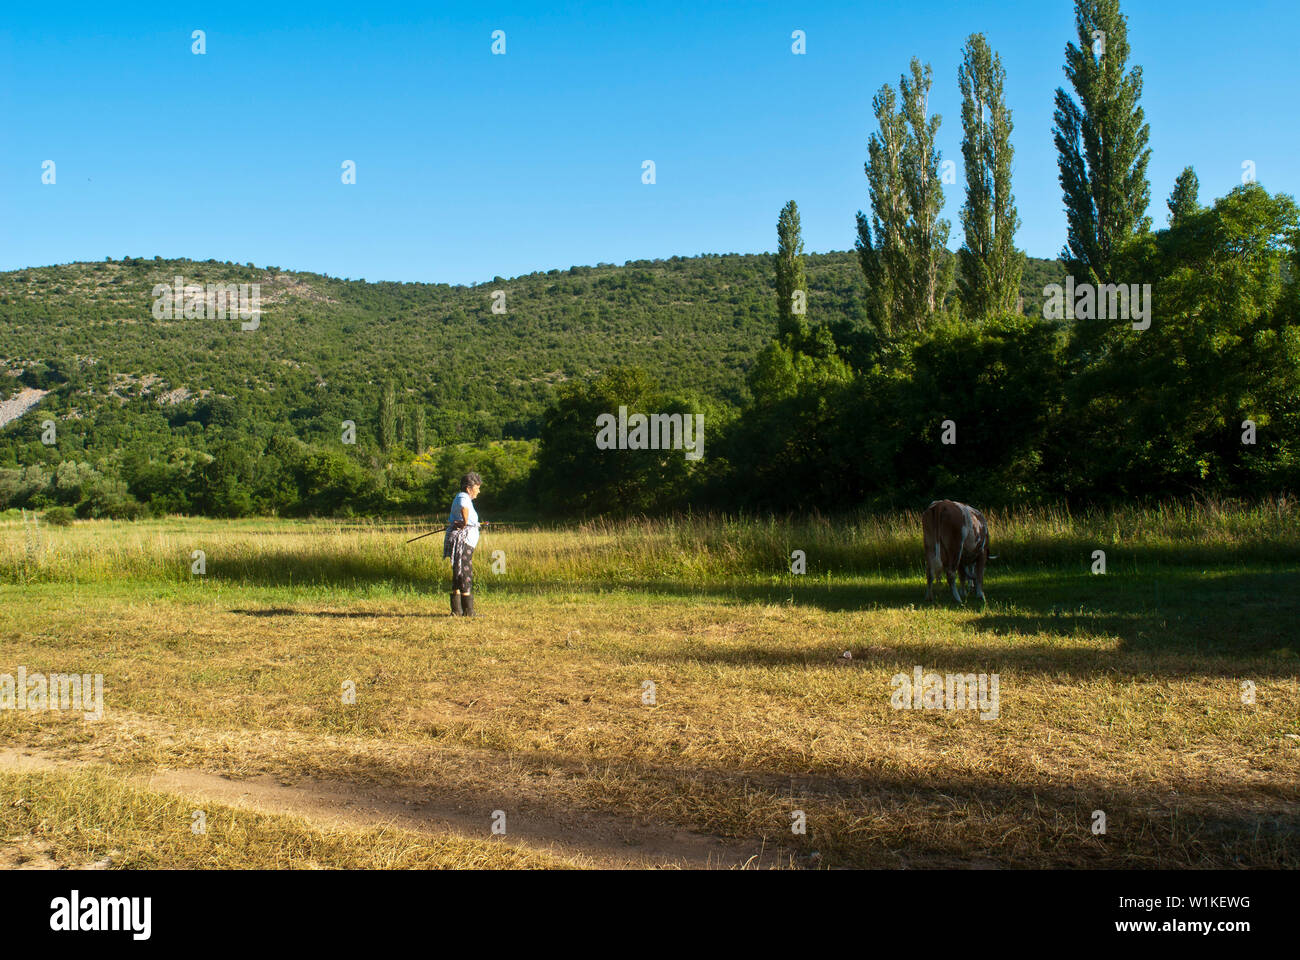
(324, 346)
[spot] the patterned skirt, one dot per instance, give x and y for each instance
(456, 549)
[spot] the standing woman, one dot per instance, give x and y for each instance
(459, 542)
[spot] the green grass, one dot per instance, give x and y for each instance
(708, 549)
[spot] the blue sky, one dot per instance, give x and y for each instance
(471, 165)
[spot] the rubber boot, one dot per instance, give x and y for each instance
(456, 608)
(467, 603)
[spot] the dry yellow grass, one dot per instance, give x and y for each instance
(91, 819)
(1120, 693)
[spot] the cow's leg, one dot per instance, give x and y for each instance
(979, 579)
(933, 564)
(950, 562)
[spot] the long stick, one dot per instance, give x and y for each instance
(491, 523)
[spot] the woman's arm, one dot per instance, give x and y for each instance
(463, 519)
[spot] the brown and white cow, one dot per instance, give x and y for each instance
(956, 541)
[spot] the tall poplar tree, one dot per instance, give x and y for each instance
(388, 417)
(902, 245)
(927, 235)
(418, 427)
(883, 257)
(1183, 200)
(990, 263)
(790, 276)
(1101, 141)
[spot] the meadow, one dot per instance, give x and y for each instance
(656, 693)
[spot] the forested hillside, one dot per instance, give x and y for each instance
(155, 415)
(324, 345)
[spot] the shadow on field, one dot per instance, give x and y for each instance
(871, 814)
(347, 615)
(943, 820)
(1182, 618)
(1046, 659)
(1173, 613)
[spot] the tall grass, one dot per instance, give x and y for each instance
(681, 550)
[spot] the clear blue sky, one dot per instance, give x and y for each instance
(471, 165)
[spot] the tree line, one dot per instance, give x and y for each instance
(954, 389)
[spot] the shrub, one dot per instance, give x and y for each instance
(59, 516)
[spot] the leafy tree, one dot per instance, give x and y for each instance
(902, 246)
(790, 276)
(506, 467)
(575, 477)
(1000, 383)
(388, 417)
(926, 234)
(1183, 201)
(991, 265)
(1101, 141)
(226, 480)
(330, 483)
(1161, 410)
(418, 430)
(883, 258)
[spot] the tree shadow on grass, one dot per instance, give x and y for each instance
(1178, 621)
(344, 614)
(1058, 661)
(932, 817)
(1188, 619)
(1179, 613)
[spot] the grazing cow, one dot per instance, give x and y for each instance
(956, 540)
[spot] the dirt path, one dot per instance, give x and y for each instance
(592, 840)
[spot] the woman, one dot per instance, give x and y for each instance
(459, 542)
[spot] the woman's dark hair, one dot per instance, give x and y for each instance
(469, 480)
